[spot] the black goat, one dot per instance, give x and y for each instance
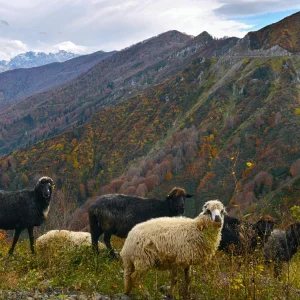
(281, 246)
(244, 235)
(25, 209)
(116, 214)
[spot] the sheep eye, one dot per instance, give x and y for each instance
(207, 212)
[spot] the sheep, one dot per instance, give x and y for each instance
(116, 214)
(281, 246)
(170, 243)
(25, 209)
(66, 237)
(244, 235)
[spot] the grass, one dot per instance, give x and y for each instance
(77, 269)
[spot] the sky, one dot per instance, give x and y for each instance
(86, 26)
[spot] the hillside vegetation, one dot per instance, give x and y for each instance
(223, 127)
(73, 103)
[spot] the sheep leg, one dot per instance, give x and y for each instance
(187, 278)
(135, 279)
(128, 270)
(96, 231)
(277, 268)
(31, 238)
(16, 237)
(173, 282)
(107, 236)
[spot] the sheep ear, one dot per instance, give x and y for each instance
(188, 196)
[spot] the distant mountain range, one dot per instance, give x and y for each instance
(35, 59)
(18, 84)
(219, 117)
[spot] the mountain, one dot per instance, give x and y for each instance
(35, 59)
(281, 38)
(229, 134)
(20, 83)
(121, 75)
(3, 64)
(223, 126)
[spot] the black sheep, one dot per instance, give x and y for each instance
(244, 235)
(116, 214)
(25, 209)
(281, 246)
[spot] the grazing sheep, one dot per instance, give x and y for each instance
(25, 209)
(171, 243)
(281, 246)
(244, 235)
(116, 214)
(74, 238)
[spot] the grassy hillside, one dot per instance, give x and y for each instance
(75, 271)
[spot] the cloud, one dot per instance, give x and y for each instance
(43, 33)
(3, 22)
(238, 8)
(66, 46)
(70, 47)
(11, 48)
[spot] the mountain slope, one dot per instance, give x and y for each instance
(281, 38)
(72, 103)
(229, 134)
(123, 75)
(18, 84)
(285, 34)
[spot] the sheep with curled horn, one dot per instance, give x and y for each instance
(24, 209)
(172, 243)
(117, 214)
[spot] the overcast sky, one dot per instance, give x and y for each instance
(85, 26)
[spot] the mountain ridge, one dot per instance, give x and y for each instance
(20, 83)
(35, 59)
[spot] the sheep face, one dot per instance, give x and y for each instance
(44, 187)
(215, 210)
(295, 232)
(176, 199)
(266, 225)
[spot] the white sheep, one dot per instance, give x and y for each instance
(66, 237)
(170, 243)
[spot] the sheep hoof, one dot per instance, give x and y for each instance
(122, 297)
(165, 289)
(114, 255)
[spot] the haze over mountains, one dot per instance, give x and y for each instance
(217, 116)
